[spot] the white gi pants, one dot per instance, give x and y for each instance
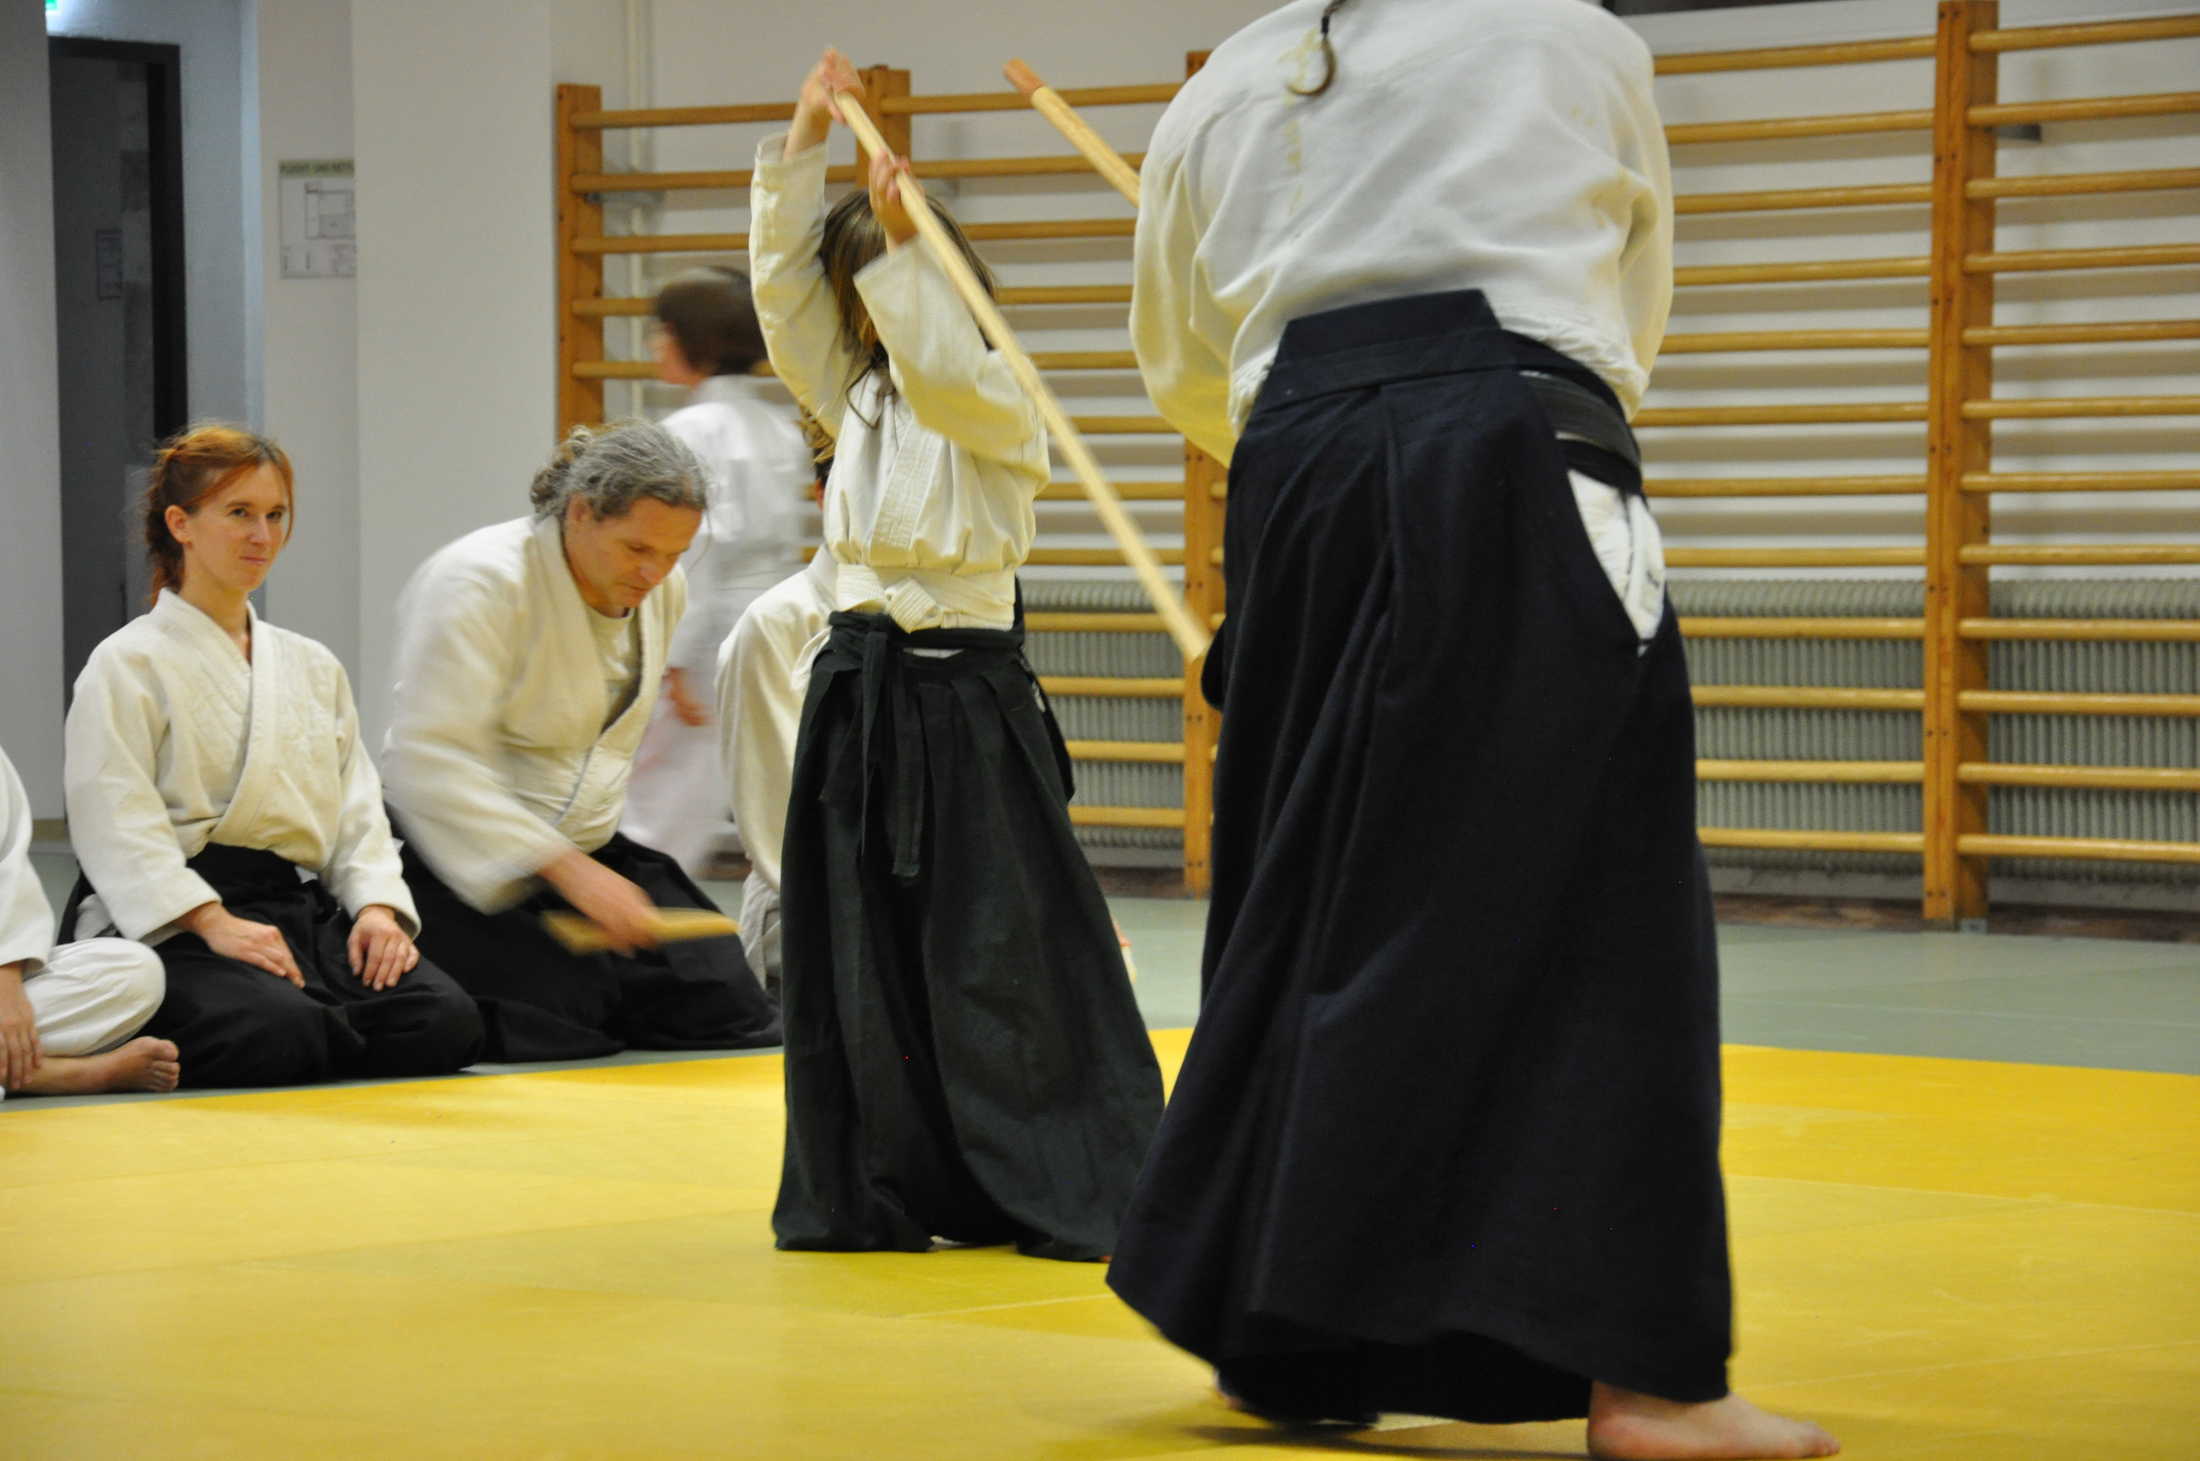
(94, 994)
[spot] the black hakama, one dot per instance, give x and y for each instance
(238, 1025)
(964, 1056)
(540, 1001)
(1446, 1138)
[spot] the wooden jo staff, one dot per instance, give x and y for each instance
(1191, 638)
(582, 935)
(1048, 102)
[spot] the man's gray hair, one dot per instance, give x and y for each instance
(612, 467)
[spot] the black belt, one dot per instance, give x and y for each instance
(1450, 333)
(233, 872)
(1580, 415)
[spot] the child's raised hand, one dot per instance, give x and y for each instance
(815, 110)
(887, 171)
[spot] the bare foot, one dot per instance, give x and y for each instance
(143, 1064)
(1625, 1425)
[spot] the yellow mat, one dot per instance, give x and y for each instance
(1938, 1259)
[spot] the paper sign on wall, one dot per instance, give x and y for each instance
(319, 241)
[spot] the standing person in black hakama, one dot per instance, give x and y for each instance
(1446, 1137)
(964, 1056)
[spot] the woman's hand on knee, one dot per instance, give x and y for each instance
(246, 940)
(381, 951)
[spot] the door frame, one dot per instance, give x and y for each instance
(164, 145)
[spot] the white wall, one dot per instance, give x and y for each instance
(451, 105)
(30, 457)
(310, 326)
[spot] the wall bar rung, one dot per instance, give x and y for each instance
(2071, 184)
(2089, 778)
(1093, 623)
(1170, 753)
(1852, 773)
(2095, 849)
(1914, 267)
(2058, 702)
(1067, 294)
(1779, 839)
(1794, 557)
(1739, 627)
(2081, 481)
(948, 103)
(2095, 33)
(2112, 332)
(1747, 340)
(2102, 631)
(777, 111)
(1884, 486)
(1160, 687)
(1778, 200)
(1839, 54)
(2085, 109)
(2144, 256)
(1128, 491)
(2082, 406)
(1846, 124)
(1805, 697)
(1084, 816)
(2117, 554)
(1826, 414)
(1094, 557)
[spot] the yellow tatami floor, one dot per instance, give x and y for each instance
(1942, 1259)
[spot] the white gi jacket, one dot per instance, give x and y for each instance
(754, 529)
(929, 512)
(175, 740)
(1510, 146)
(498, 756)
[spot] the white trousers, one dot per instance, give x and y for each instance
(93, 995)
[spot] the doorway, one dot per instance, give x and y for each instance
(119, 313)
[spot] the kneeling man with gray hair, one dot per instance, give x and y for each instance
(528, 659)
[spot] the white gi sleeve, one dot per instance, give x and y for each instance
(794, 304)
(1175, 322)
(1646, 261)
(118, 818)
(942, 366)
(26, 918)
(455, 649)
(363, 867)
